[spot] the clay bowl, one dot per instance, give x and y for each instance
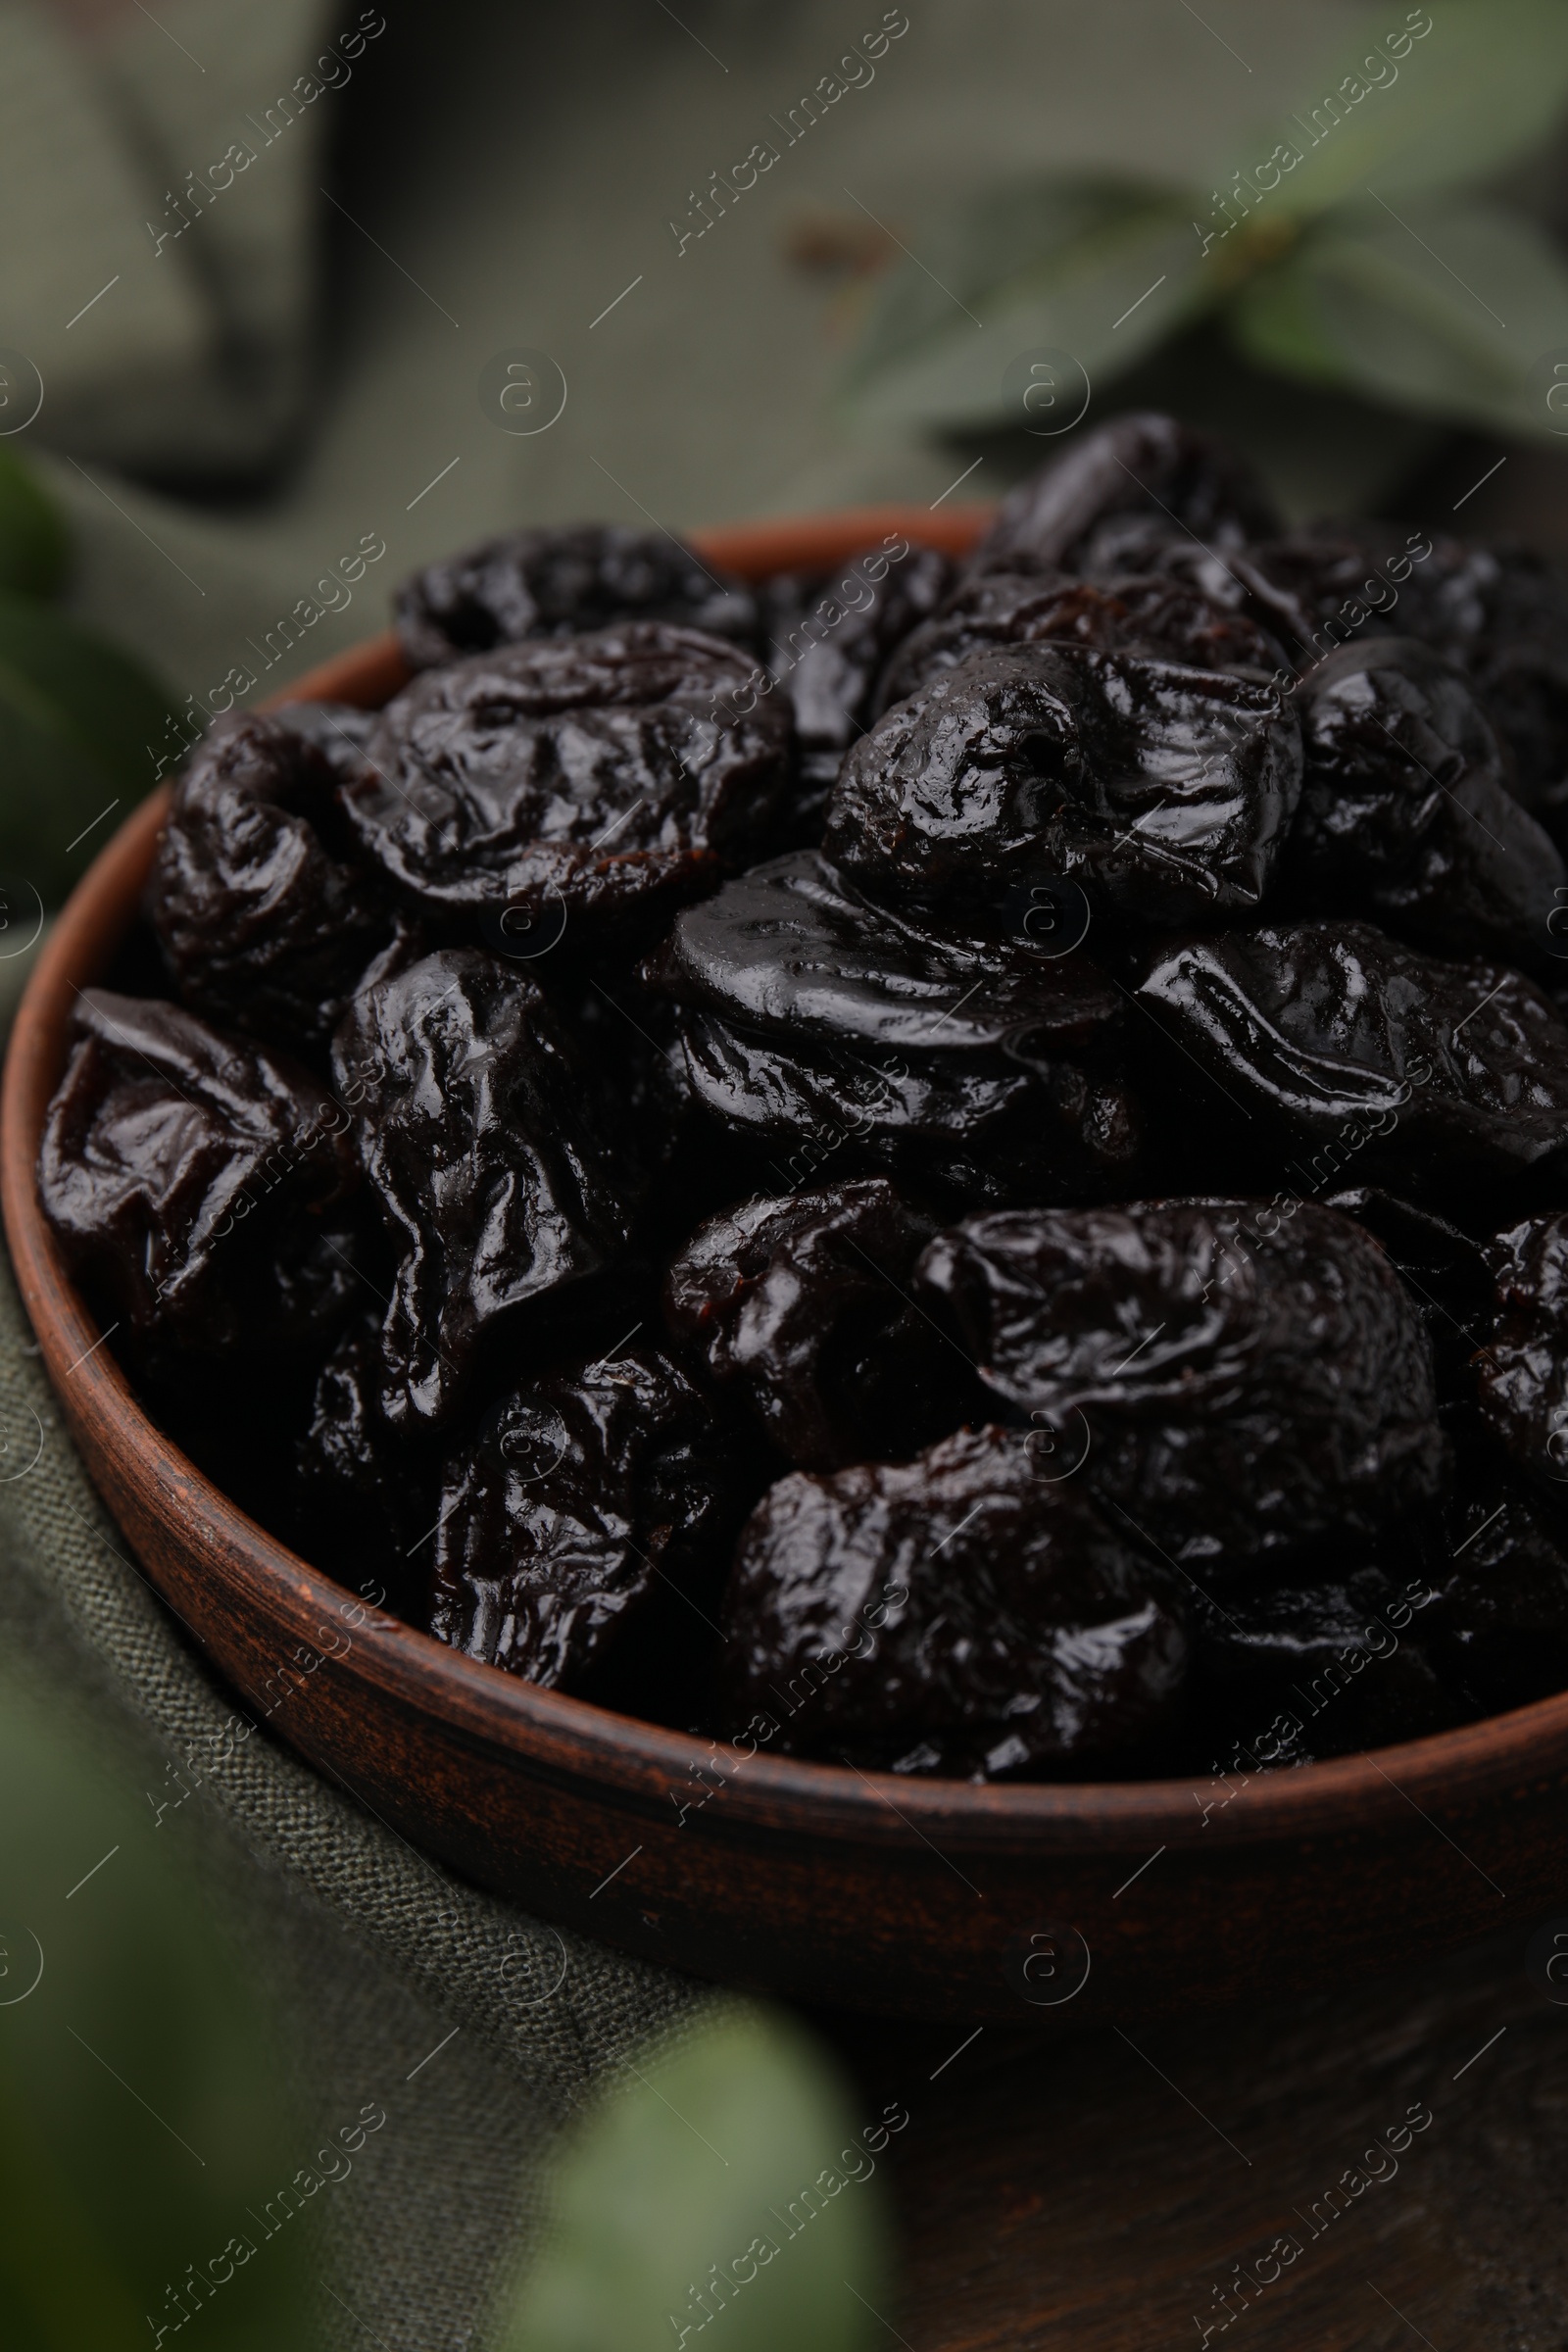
(924, 1899)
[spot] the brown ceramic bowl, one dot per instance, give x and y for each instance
(921, 1898)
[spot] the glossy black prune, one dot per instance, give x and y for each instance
(1066, 516)
(1406, 814)
(829, 640)
(839, 1036)
(340, 731)
(1154, 614)
(1448, 1274)
(503, 1164)
(562, 582)
(1500, 613)
(363, 1501)
(1522, 1367)
(801, 1307)
(260, 925)
(1500, 1632)
(1327, 1045)
(950, 1613)
(588, 1502)
(1163, 793)
(1238, 1392)
(1287, 1670)
(577, 780)
(197, 1178)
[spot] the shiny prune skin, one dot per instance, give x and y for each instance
(1163, 793)
(363, 1497)
(1406, 814)
(953, 1612)
(340, 731)
(1287, 1670)
(835, 1035)
(828, 642)
(503, 1164)
(575, 782)
(1064, 516)
(1522, 1366)
(588, 1501)
(801, 1306)
(260, 925)
(1448, 1274)
(564, 582)
(1152, 615)
(1233, 1392)
(1328, 1046)
(1500, 1629)
(197, 1178)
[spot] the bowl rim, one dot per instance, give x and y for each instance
(642, 1763)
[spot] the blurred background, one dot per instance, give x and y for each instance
(298, 297)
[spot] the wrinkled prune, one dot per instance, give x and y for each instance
(588, 1502)
(828, 642)
(1501, 615)
(1446, 1272)
(1522, 1369)
(1406, 814)
(1241, 1390)
(495, 1154)
(575, 779)
(1066, 516)
(1290, 1669)
(954, 1613)
(559, 582)
(260, 925)
(192, 1174)
(1163, 793)
(340, 731)
(821, 1027)
(1333, 1046)
(362, 1500)
(1152, 615)
(802, 1305)
(1500, 1631)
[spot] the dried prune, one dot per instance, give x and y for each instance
(1522, 1370)
(363, 1501)
(260, 924)
(1501, 615)
(1446, 1272)
(1240, 1391)
(1156, 615)
(589, 1502)
(193, 1176)
(953, 1612)
(1066, 516)
(1292, 1668)
(575, 780)
(340, 731)
(503, 1164)
(828, 642)
(1164, 793)
(1405, 813)
(1327, 1044)
(556, 582)
(1500, 1631)
(802, 1306)
(827, 1030)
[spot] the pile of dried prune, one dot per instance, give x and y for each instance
(958, 1168)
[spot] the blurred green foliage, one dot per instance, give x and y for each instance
(729, 2184)
(141, 2127)
(76, 715)
(1365, 263)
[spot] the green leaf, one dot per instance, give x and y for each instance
(1102, 271)
(76, 719)
(730, 2174)
(34, 543)
(1484, 84)
(1446, 309)
(142, 2127)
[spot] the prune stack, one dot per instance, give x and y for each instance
(963, 1169)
